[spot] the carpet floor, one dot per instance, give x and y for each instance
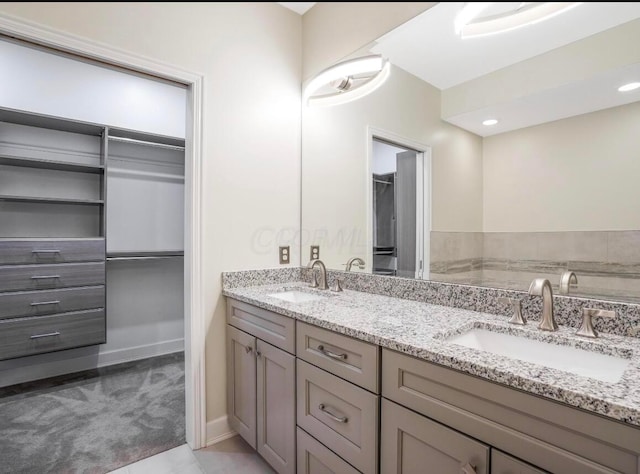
(93, 422)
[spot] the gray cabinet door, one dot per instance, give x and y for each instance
(276, 406)
(502, 463)
(315, 458)
(241, 383)
(414, 444)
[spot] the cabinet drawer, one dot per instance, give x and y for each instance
(502, 463)
(314, 458)
(37, 303)
(547, 434)
(40, 277)
(353, 360)
(413, 443)
(271, 327)
(20, 252)
(29, 336)
(340, 415)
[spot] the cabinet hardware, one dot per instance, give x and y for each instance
(38, 336)
(248, 349)
(45, 251)
(339, 419)
(45, 277)
(467, 469)
(333, 355)
(258, 354)
(43, 303)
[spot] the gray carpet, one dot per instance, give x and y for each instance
(93, 422)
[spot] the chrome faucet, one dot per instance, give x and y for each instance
(357, 260)
(323, 273)
(542, 287)
(567, 279)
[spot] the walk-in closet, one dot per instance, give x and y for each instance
(92, 186)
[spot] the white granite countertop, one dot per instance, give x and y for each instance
(419, 329)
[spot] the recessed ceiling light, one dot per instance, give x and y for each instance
(489, 122)
(629, 87)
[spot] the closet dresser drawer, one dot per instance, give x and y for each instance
(22, 252)
(37, 303)
(42, 277)
(353, 360)
(29, 336)
(271, 327)
(340, 415)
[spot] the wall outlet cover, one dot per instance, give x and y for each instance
(284, 255)
(315, 252)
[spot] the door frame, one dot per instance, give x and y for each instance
(194, 315)
(423, 191)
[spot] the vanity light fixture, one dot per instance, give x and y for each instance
(468, 24)
(349, 80)
(489, 122)
(629, 87)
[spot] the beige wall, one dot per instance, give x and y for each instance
(333, 30)
(250, 54)
(334, 166)
(576, 174)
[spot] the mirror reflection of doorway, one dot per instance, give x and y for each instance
(398, 243)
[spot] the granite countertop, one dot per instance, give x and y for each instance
(419, 329)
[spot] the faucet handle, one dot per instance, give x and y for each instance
(516, 304)
(586, 328)
(337, 285)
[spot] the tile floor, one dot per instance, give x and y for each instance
(232, 456)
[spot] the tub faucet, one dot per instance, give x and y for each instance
(542, 287)
(323, 272)
(355, 260)
(567, 279)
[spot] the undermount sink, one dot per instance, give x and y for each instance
(295, 296)
(606, 368)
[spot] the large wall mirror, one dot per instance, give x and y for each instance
(409, 179)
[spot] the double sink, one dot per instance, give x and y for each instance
(559, 354)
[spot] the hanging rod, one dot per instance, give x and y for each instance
(144, 255)
(111, 259)
(382, 182)
(146, 143)
(146, 174)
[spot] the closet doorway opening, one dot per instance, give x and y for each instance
(399, 206)
(191, 222)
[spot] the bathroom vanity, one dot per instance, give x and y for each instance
(381, 388)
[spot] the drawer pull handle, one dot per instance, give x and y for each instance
(467, 469)
(45, 277)
(333, 355)
(339, 419)
(45, 251)
(38, 336)
(43, 303)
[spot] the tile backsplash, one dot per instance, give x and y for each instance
(607, 263)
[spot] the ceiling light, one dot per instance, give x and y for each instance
(349, 80)
(629, 87)
(490, 122)
(468, 24)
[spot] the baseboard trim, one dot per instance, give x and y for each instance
(37, 367)
(218, 430)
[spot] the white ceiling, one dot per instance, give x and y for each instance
(299, 7)
(428, 48)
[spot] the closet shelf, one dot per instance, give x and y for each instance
(46, 200)
(50, 165)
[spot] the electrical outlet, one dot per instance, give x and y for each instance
(285, 255)
(315, 252)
